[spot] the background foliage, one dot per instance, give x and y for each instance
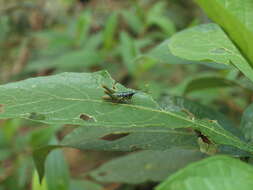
(194, 93)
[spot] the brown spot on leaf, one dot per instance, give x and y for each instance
(102, 173)
(203, 137)
(212, 121)
(86, 117)
(1, 108)
(37, 116)
(113, 137)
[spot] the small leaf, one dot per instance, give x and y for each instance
(57, 176)
(128, 51)
(218, 172)
(209, 43)
(133, 20)
(82, 27)
(145, 166)
(41, 136)
(110, 31)
(156, 16)
(39, 158)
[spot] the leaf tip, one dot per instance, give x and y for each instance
(39, 164)
(39, 158)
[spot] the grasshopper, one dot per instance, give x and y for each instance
(117, 97)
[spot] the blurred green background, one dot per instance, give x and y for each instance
(127, 38)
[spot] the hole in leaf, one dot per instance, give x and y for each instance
(86, 117)
(37, 116)
(134, 148)
(1, 108)
(203, 137)
(113, 137)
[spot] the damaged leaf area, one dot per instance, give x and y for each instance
(113, 137)
(86, 117)
(36, 116)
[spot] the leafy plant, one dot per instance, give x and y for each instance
(173, 138)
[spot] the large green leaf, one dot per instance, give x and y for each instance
(73, 98)
(66, 97)
(145, 166)
(214, 173)
(247, 123)
(115, 139)
(209, 42)
(235, 17)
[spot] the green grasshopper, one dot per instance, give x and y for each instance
(117, 97)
